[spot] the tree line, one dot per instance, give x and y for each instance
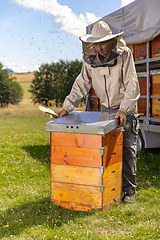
(53, 82)
(10, 90)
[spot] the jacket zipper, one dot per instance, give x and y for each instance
(106, 91)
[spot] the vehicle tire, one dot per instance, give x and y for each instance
(140, 143)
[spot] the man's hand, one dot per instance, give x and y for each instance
(62, 112)
(122, 116)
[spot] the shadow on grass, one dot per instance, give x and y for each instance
(39, 152)
(31, 214)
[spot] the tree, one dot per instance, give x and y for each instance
(16, 92)
(60, 70)
(10, 90)
(42, 84)
(53, 82)
(73, 71)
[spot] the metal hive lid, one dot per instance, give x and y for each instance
(87, 122)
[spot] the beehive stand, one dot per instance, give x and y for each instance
(86, 160)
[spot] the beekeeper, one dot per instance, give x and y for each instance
(109, 68)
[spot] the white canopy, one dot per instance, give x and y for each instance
(140, 21)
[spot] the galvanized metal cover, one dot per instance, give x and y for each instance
(87, 122)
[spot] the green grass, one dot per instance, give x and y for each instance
(25, 209)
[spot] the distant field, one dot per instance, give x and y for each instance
(25, 79)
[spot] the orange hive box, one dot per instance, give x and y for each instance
(143, 85)
(155, 47)
(86, 170)
(142, 106)
(156, 91)
(156, 84)
(86, 160)
(156, 107)
(140, 51)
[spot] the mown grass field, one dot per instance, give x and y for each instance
(25, 209)
(25, 80)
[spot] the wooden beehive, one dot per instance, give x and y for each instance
(155, 47)
(86, 170)
(142, 106)
(156, 107)
(140, 51)
(156, 84)
(94, 101)
(156, 91)
(143, 85)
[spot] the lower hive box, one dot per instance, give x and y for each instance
(156, 107)
(140, 51)
(142, 106)
(156, 93)
(155, 47)
(86, 168)
(143, 85)
(156, 84)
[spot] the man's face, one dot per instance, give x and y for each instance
(103, 48)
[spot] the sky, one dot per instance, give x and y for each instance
(36, 32)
